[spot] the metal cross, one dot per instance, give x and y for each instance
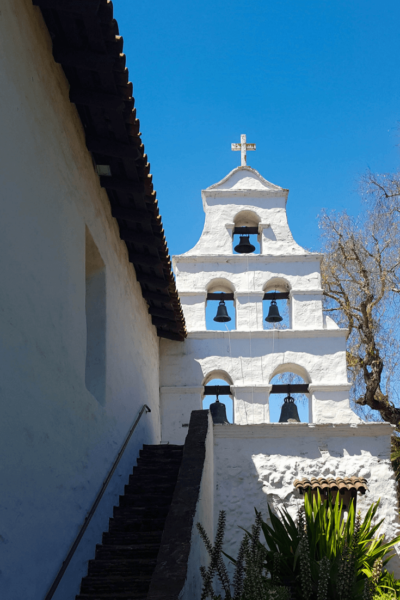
(243, 147)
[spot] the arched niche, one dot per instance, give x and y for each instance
(219, 377)
(247, 218)
(218, 374)
(290, 373)
(279, 285)
(216, 286)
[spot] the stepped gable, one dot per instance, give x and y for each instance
(86, 42)
(125, 561)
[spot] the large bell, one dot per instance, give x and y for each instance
(244, 246)
(222, 314)
(218, 412)
(273, 313)
(289, 411)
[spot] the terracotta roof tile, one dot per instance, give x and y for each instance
(359, 484)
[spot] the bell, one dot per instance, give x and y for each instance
(244, 246)
(289, 411)
(222, 314)
(273, 313)
(218, 412)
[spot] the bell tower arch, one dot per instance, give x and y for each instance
(282, 274)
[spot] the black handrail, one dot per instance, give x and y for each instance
(90, 514)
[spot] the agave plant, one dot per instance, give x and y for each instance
(348, 552)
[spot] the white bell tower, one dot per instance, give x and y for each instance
(249, 356)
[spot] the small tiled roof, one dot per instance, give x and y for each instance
(359, 484)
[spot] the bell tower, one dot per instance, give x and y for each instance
(241, 211)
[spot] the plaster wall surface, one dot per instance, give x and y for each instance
(250, 362)
(257, 465)
(58, 441)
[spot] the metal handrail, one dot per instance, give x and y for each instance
(90, 514)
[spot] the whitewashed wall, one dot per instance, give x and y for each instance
(251, 361)
(57, 441)
(257, 465)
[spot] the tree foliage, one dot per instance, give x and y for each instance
(361, 281)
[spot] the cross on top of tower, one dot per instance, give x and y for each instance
(243, 147)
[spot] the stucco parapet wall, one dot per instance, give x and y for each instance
(209, 193)
(279, 430)
(329, 387)
(268, 333)
(244, 258)
(254, 293)
(185, 389)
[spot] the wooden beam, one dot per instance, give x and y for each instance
(170, 335)
(245, 230)
(133, 215)
(157, 297)
(79, 7)
(295, 388)
(123, 185)
(162, 312)
(96, 99)
(83, 59)
(162, 322)
(276, 296)
(145, 259)
(220, 296)
(110, 147)
(213, 390)
(139, 237)
(153, 280)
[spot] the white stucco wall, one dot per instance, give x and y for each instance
(256, 465)
(251, 360)
(57, 441)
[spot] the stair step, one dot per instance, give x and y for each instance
(136, 524)
(162, 480)
(133, 551)
(144, 512)
(115, 584)
(131, 538)
(170, 465)
(137, 487)
(126, 559)
(161, 447)
(147, 500)
(134, 567)
(113, 596)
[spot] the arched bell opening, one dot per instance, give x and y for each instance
(220, 306)
(216, 393)
(289, 398)
(245, 235)
(276, 305)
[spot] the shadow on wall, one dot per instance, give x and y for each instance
(95, 307)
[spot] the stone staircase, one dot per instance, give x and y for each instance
(126, 559)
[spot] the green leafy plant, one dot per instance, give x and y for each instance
(251, 579)
(352, 547)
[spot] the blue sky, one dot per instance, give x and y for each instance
(315, 84)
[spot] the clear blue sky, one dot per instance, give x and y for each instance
(315, 84)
